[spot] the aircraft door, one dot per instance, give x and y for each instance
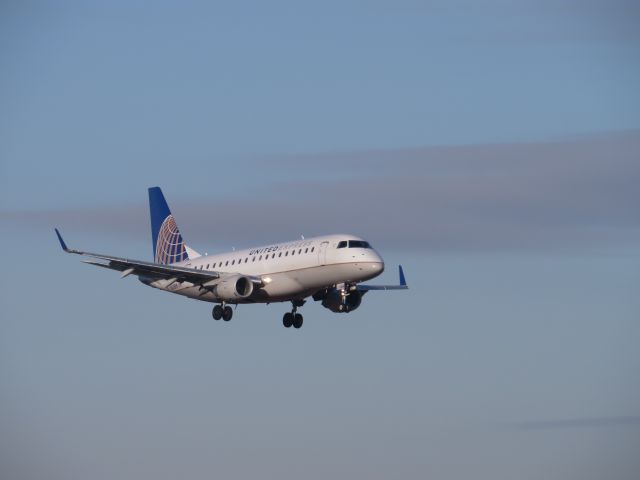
(322, 253)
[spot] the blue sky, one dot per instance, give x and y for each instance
(490, 147)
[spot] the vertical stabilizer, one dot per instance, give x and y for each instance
(168, 246)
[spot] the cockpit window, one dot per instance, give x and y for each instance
(353, 244)
(358, 244)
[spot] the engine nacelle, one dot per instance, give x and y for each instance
(338, 303)
(234, 288)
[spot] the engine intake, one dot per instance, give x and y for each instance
(234, 288)
(335, 301)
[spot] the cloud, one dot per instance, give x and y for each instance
(586, 422)
(576, 193)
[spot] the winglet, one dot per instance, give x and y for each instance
(403, 281)
(62, 244)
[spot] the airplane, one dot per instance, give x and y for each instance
(328, 269)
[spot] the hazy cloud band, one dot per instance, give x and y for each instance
(529, 196)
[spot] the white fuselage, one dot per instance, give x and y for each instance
(291, 270)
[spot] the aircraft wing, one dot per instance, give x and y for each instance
(146, 269)
(402, 286)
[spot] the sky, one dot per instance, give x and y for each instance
(490, 147)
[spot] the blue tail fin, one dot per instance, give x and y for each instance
(168, 246)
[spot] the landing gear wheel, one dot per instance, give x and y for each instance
(287, 319)
(297, 320)
(227, 313)
(217, 312)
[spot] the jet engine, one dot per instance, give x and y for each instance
(341, 302)
(234, 287)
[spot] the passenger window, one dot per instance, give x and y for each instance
(233, 262)
(313, 248)
(286, 254)
(273, 255)
(253, 259)
(306, 250)
(207, 266)
(293, 252)
(342, 244)
(280, 254)
(299, 251)
(260, 257)
(226, 264)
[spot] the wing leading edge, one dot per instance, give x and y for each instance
(146, 269)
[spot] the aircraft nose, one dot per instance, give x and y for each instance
(377, 264)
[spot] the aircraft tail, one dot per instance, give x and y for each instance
(168, 246)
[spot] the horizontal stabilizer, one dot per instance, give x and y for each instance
(191, 252)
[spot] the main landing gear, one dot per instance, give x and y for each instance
(223, 311)
(290, 319)
(293, 318)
